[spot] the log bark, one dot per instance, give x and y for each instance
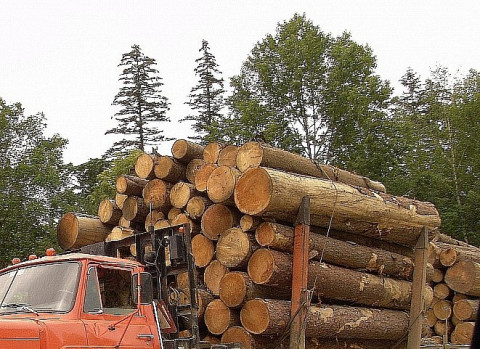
(234, 248)
(157, 195)
(228, 156)
(237, 287)
(254, 154)
(120, 199)
(153, 217)
(270, 317)
(144, 166)
(75, 230)
(442, 309)
(280, 237)
(217, 219)
(221, 184)
(202, 175)
(249, 223)
(108, 212)
(213, 274)
(192, 169)
(180, 193)
(135, 209)
(203, 250)
(211, 152)
(130, 185)
(269, 267)
(463, 333)
(196, 207)
(464, 277)
(218, 317)
(272, 193)
(169, 169)
(466, 309)
(185, 151)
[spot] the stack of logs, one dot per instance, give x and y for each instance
(241, 203)
(456, 289)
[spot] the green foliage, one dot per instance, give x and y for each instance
(32, 183)
(141, 102)
(206, 98)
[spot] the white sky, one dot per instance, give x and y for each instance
(60, 57)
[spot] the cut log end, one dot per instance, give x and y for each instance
(202, 175)
(216, 219)
(253, 191)
(67, 230)
(221, 183)
(260, 266)
(228, 156)
(255, 316)
(144, 166)
(218, 317)
(233, 289)
(211, 152)
(203, 250)
(234, 248)
(212, 276)
(249, 155)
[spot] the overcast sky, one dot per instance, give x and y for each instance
(60, 57)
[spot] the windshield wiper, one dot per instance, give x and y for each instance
(21, 307)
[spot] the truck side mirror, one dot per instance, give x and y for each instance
(145, 286)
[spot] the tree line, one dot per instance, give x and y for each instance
(299, 89)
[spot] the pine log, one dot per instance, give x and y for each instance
(144, 166)
(249, 223)
(276, 194)
(173, 212)
(450, 254)
(210, 338)
(437, 275)
(238, 334)
(161, 223)
(218, 317)
(135, 209)
(180, 193)
(75, 230)
(280, 237)
(234, 248)
(449, 240)
(203, 298)
(448, 257)
(269, 267)
(182, 218)
(442, 291)
(211, 152)
(466, 309)
(212, 276)
(431, 318)
(169, 169)
(192, 168)
(228, 156)
(108, 212)
(122, 222)
(270, 317)
(185, 151)
(130, 185)
(463, 333)
(443, 328)
(236, 287)
(202, 175)
(458, 297)
(203, 250)
(119, 233)
(464, 277)
(254, 154)
(443, 309)
(433, 255)
(157, 195)
(196, 207)
(221, 184)
(216, 219)
(153, 217)
(120, 199)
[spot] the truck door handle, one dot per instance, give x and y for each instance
(148, 337)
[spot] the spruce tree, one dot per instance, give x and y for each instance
(206, 98)
(141, 102)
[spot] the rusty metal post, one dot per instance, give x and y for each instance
(300, 276)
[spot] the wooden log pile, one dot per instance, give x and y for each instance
(456, 289)
(241, 203)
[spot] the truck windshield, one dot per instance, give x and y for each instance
(39, 288)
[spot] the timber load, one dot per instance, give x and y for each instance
(241, 203)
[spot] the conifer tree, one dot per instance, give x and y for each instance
(206, 98)
(141, 102)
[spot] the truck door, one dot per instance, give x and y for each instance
(111, 318)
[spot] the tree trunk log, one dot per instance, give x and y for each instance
(196, 207)
(463, 333)
(120, 199)
(157, 195)
(130, 185)
(464, 277)
(108, 212)
(237, 287)
(212, 276)
(161, 223)
(466, 309)
(125, 223)
(228, 156)
(173, 212)
(249, 223)
(442, 291)
(269, 267)
(254, 154)
(280, 237)
(316, 343)
(192, 169)
(202, 175)
(272, 193)
(144, 166)
(270, 317)
(75, 230)
(119, 233)
(180, 193)
(203, 250)
(458, 297)
(182, 218)
(211, 152)
(443, 328)
(442, 310)
(234, 248)
(153, 217)
(135, 209)
(217, 219)
(238, 334)
(437, 275)
(218, 317)
(169, 169)
(185, 151)
(450, 254)
(431, 318)
(221, 184)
